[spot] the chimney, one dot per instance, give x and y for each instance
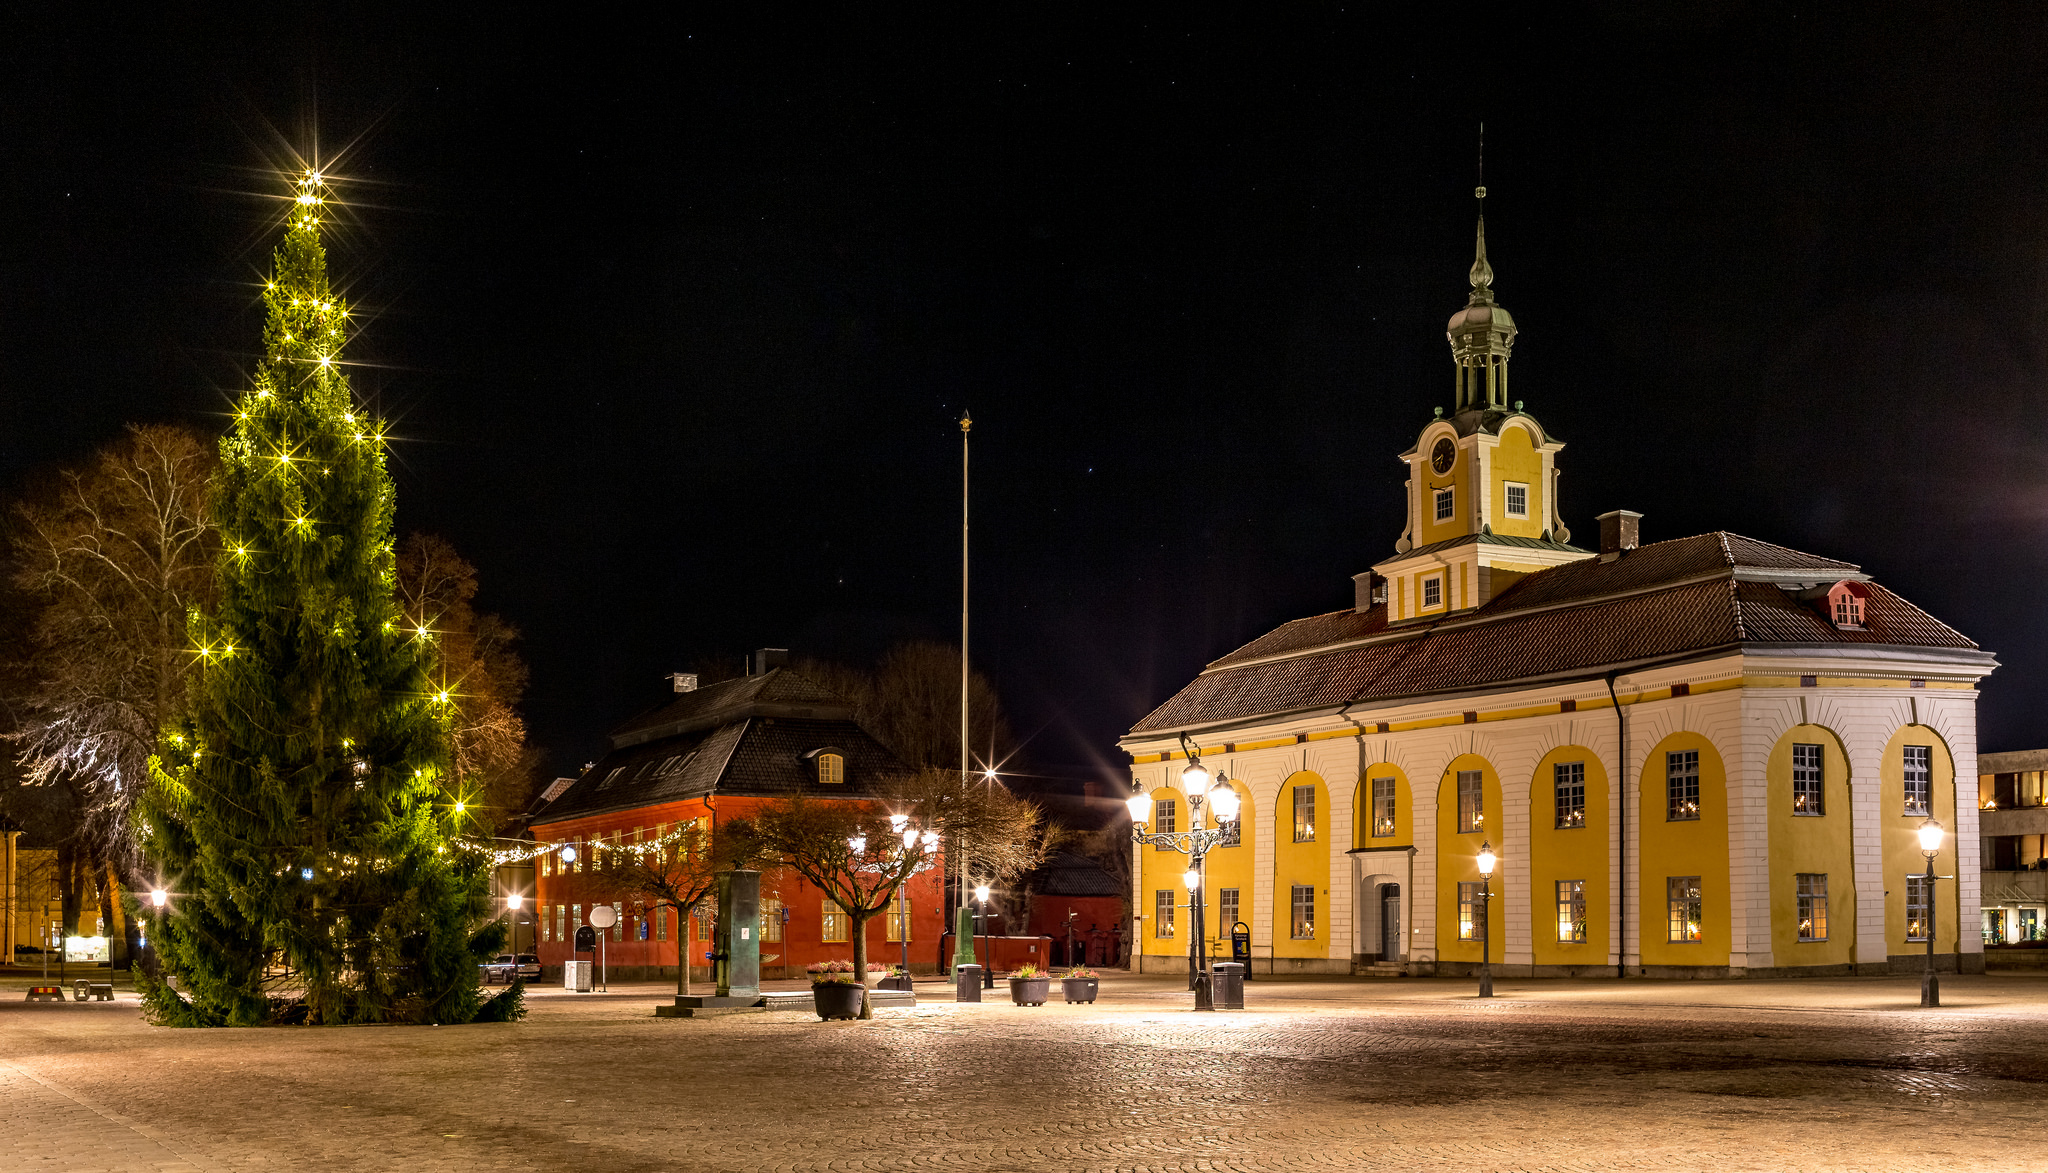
(765, 659)
(683, 681)
(1617, 533)
(1361, 592)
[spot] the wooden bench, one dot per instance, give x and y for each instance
(46, 993)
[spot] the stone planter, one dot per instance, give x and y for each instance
(895, 982)
(1079, 989)
(837, 1000)
(1029, 991)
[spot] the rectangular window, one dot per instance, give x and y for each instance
(899, 919)
(1518, 500)
(1806, 780)
(771, 919)
(1813, 906)
(1917, 908)
(831, 769)
(1162, 913)
(561, 923)
(1304, 919)
(1433, 591)
(1444, 507)
(575, 916)
(1304, 814)
(1682, 896)
(661, 923)
(1233, 832)
(1569, 782)
(1165, 817)
(1471, 801)
(701, 918)
(1471, 911)
(1227, 909)
(618, 920)
(1382, 808)
(832, 923)
(1919, 780)
(1571, 911)
(1682, 787)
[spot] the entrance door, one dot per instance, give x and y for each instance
(1390, 923)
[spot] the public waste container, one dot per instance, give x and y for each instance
(967, 983)
(1226, 985)
(576, 976)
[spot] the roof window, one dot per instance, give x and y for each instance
(1846, 603)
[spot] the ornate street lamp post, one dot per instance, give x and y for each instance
(1195, 843)
(1486, 861)
(1930, 846)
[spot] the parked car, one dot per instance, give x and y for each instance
(506, 967)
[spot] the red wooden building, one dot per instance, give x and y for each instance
(716, 753)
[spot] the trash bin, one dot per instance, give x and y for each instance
(967, 983)
(576, 976)
(1226, 985)
(81, 989)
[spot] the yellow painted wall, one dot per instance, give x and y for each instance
(1901, 840)
(1361, 809)
(1163, 869)
(1231, 867)
(1693, 848)
(1458, 860)
(1301, 863)
(1459, 478)
(1807, 843)
(1574, 853)
(1515, 458)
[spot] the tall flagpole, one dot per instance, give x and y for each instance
(963, 940)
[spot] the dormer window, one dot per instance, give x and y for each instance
(1518, 500)
(1444, 506)
(831, 768)
(1846, 604)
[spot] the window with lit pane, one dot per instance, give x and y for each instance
(1919, 778)
(1162, 912)
(1303, 919)
(1304, 814)
(832, 924)
(1682, 786)
(1471, 911)
(1165, 819)
(831, 768)
(1807, 789)
(899, 919)
(1682, 902)
(1382, 808)
(1568, 781)
(771, 919)
(1571, 911)
(1918, 905)
(1471, 801)
(1812, 889)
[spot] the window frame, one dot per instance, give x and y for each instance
(1809, 780)
(832, 918)
(1386, 812)
(1445, 504)
(1923, 783)
(1508, 493)
(771, 919)
(1571, 912)
(1162, 914)
(1568, 779)
(1301, 927)
(1229, 907)
(1471, 910)
(1471, 815)
(1432, 584)
(1165, 820)
(897, 918)
(1682, 786)
(831, 769)
(1810, 890)
(1304, 796)
(1919, 896)
(1685, 910)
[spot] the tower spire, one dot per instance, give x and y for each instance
(1482, 273)
(1482, 335)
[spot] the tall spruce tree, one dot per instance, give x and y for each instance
(302, 810)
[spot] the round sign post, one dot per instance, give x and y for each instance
(602, 916)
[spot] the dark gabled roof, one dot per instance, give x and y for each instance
(1669, 599)
(751, 737)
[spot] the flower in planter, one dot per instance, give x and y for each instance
(1080, 971)
(1026, 973)
(831, 973)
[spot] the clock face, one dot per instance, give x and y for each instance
(1443, 456)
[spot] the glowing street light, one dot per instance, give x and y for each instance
(158, 898)
(1141, 809)
(1487, 860)
(1930, 846)
(1195, 842)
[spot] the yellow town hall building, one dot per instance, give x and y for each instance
(1700, 757)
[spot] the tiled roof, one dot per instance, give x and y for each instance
(742, 743)
(1065, 873)
(1655, 602)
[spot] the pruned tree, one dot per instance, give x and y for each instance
(911, 702)
(108, 562)
(860, 852)
(481, 671)
(681, 873)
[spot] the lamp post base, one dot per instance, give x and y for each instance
(1204, 997)
(1930, 990)
(1486, 983)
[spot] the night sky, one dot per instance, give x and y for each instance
(675, 320)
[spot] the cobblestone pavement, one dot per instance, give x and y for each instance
(1809, 1075)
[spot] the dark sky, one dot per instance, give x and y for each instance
(675, 319)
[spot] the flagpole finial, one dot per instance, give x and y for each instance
(966, 421)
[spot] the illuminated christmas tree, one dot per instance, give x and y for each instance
(301, 811)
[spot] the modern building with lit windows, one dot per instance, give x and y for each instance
(712, 754)
(1703, 757)
(2012, 800)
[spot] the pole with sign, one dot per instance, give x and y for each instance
(604, 916)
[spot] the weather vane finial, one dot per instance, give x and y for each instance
(1481, 192)
(1482, 273)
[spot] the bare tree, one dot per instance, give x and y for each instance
(482, 672)
(859, 853)
(112, 559)
(682, 874)
(911, 702)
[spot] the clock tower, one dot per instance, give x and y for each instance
(1482, 482)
